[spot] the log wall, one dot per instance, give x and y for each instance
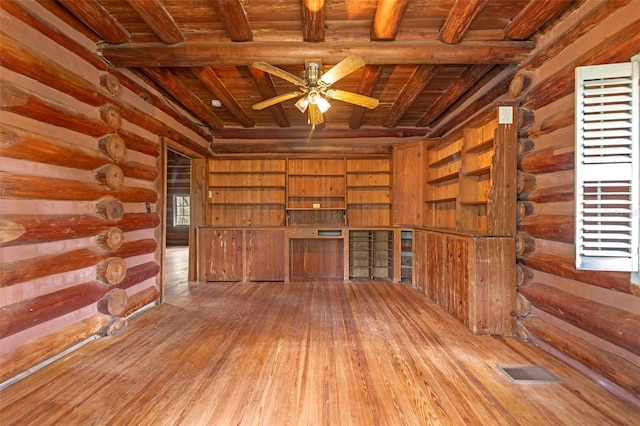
(79, 179)
(590, 317)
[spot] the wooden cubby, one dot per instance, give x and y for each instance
(247, 192)
(470, 180)
(369, 191)
(406, 256)
(371, 254)
(316, 191)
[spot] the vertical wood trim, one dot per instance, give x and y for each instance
(198, 194)
(161, 206)
(503, 197)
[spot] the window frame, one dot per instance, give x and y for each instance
(607, 177)
(177, 216)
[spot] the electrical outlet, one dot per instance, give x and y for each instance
(316, 205)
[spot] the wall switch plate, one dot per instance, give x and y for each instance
(505, 115)
(316, 205)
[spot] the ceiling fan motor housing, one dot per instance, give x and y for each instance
(312, 74)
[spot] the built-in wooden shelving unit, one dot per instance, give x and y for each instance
(369, 192)
(469, 180)
(316, 191)
(371, 254)
(247, 192)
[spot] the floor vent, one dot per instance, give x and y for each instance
(528, 374)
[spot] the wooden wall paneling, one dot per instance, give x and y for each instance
(421, 250)
(407, 188)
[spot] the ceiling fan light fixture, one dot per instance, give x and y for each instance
(302, 104)
(323, 104)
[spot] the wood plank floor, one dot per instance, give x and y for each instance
(310, 353)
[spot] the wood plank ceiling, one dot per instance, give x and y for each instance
(423, 57)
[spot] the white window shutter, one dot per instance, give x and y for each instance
(607, 176)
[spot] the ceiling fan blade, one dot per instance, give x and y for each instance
(341, 69)
(280, 98)
(353, 98)
(268, 68)
(315, 116)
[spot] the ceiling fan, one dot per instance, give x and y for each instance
(314, 87)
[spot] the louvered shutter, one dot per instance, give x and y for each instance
(607, 98)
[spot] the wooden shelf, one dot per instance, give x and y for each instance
(320, 196)
(213, 188)
(319, 175)
(480, 147)
(444, 178)
(440, 200)
(455, 156)
(299, 209)
(248, 204)
(478, 172)
(242, 172)
(474, 202)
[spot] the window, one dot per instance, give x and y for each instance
(607, 159)
(181, 210)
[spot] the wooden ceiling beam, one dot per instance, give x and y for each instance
(409, 93)
(265, 85)
(480, 99)
(533, 16)
(368, 82)
(200, 54)
(98, 19)
(309, 133)
(156, 16)
(312, 15)
(459, 87)
(387, 19)
(233, 17)
(172, 85)
(460, 18)
(209, 78)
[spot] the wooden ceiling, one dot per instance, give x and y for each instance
(423, 57)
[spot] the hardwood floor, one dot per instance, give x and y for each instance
(307, 353)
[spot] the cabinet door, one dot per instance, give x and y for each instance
(265, 255)
(223, 255)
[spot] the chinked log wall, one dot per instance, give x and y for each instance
(79, 154)
(592, 317)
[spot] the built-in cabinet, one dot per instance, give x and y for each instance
(470, 276)
(228, 254)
